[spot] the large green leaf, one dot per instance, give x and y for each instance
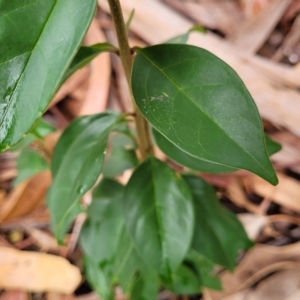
(86, 54)
(29, 163)
(218, 233)
(77, 163)
(194, 163)
(38, 41)
(200, 104)
(101, 234)
(159, 215)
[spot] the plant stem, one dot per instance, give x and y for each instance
(142, 126)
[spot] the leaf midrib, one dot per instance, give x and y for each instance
(22, 73)
(182, 91)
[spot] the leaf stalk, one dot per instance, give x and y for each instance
(142, 125)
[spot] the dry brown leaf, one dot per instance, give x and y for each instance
(253, 224)
(251, 35)
(43, 240)
(286, 193)
(212, 14)
(58, 296)
(25, 197)
(258, 263)
(37, 272)
(99, 81)
(14, 295)
(70, 85)
(239, 198)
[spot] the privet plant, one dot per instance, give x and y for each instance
(164, 228)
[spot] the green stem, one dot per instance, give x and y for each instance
(142, 126)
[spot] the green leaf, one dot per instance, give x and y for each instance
(121, 157)
(159, 215)
(197, 164)
(272, 146)
(144, 289)
(182, 38)
(77, 163)
(204, 268)
(218, 233)
(187, 160)
(126, 262)
(128, 23)
(29, 163)
(185, 281)
(42, 128)
(39, 131)
(100, 235)
(97, 278)
(38, 40)
(199, 104)
(86, 54)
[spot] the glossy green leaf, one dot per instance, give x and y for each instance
(218, 233)
(38, 40)
(77, 163)
(200, 104)
(159, 215)
(100, 235)
(86, 54)
(29, 163)
(121, 157)
(194, 163)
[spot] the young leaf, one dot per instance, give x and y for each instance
(121, 157)
(86, 54)
(159, 215)
(39, 131)
(128, 23)
(194, 163)
(200, 105)
(101, 234)
(218, 233)
(185, 281)
(29, 163)
(38, 40)
(204, 268)
(272, 146)
(182, 38)
(77, 163)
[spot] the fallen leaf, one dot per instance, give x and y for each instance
(253, 224)
(37, 272)
(25, 197)
(286, 193)
(257, 263)
(14, 295)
